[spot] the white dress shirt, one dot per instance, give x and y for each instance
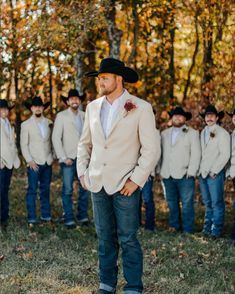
(175, 132)
(208, 131)
(109, 112)
(42, 125)
(77, 121)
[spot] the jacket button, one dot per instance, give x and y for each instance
(105, 147)
(105, 164)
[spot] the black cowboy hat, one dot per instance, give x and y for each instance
(4, 104)
(232, 113)
(179, 111)
(212, 110)
(115, 66)
(36, 101)
(73, 93)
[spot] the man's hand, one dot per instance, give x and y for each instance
(212, 175)
(82, 181)
(68, 161)
(33, 166)
(129, 188)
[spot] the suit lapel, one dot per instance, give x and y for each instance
(99, 125)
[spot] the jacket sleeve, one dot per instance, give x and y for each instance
(195, 154)
(84, 147)
(57, 136)
(150, 147)
(24, 143)
(224, 153)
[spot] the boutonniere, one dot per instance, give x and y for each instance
(129, 106)
(185, 130)
(212, 134)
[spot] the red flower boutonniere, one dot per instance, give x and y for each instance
(129, 106)
(185, 130)
(212, 134)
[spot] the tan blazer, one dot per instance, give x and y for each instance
(216, 153)
(33, 145)
(8, 151)
(65, 136)
(130, 151)
(182, 158)
(231, 169)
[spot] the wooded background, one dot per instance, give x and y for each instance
(184, 51)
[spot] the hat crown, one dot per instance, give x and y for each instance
(3, 103)
(178, 110)
(73, 93)
(37, 101)
(211, 109)
(111, 62)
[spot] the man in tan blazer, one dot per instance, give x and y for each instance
(231, 170)
(181, 154)
(215, 144)
(35, 141)
(8, 159)
(66, 134)
(116, 153)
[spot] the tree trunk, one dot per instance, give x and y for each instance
(193, 58)
(114, 34)
(132, 56)
(50, 80)
(79, 65)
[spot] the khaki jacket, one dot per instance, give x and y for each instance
(130, 151)
(65, 136)
(182, 158)
(216, 153)
(8, 151)
(231, 169)
(33, 145)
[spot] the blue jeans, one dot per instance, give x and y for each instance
(69, 173)
(147, 195)
(117, 220)
(180, 190)
(213, 198)
(43, 178)
(5, 180)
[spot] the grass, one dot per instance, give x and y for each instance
(52, 259)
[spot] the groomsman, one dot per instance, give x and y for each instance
(181, 155)
(35, 141)
(215, 144)
(66, 134)
(8, 158)
(231, 170)
(116, 154)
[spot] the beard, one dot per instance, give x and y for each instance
(38, 114)
(177, 124)
(106, 92)
(74, 106)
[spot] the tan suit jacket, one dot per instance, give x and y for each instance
(216, 153)
(8, 151)
(182, 158)
(130, 150)
(65, 135)
(231, 170)
(33, 145)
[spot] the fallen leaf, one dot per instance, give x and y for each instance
(154, 253)
(183, 254)
(2, 257)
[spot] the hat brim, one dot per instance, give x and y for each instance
(230, 114)
(65, 99)
(187, 115)
(220, 114)
(129, 75)
(28, 105)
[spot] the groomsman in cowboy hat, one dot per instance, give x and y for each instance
(181, 153)
(215, 144)
(231, 170)
(35, 141)
(116, 154)
(66, 134)
(8, 158)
